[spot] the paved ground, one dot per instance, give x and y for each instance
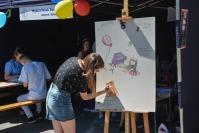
(12, 122)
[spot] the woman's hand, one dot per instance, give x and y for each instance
(110, 89)
(107, 88)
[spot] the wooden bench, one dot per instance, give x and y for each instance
(19, 104)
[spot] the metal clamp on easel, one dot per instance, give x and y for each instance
(125, 12)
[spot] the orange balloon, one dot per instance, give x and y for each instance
(82, 7)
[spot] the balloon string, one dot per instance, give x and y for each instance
(8, 13)
(108, 52)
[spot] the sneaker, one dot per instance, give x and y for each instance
(140, 126)
(101, 119)
(39, 116)
(86, 109)
(115, 119)
(94, 111)
(115, 116)
(32, 119)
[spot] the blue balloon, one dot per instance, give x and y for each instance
(2, 19)
(55, 1)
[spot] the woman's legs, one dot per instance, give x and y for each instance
(69, 126)
(57, 126)
(64, 127)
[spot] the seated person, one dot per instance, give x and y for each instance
(166, 72)
(13, 67)
(33, 75)
(86, 49)
(87, 105)
(166, 75)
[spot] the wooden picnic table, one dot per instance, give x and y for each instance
(15, 104)
(8, 84)
(5, 85)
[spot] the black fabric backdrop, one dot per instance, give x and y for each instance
(190, 73)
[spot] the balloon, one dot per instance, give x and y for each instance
(55, 1)
(106, 40)
(82, 7)
(64, 9)
(3, 18)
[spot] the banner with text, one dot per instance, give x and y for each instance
(38, 13)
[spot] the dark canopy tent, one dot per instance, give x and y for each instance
(20, 3)
(105, 6)
(5, 4)
(53, 41)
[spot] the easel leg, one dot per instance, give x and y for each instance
(133, 122)
(155, 126)
(146, 122)
(127, 123)
(106, 125)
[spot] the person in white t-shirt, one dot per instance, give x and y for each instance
(33, 75)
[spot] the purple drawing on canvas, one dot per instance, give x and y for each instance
(118, 60)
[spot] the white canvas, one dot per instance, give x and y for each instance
(128, 49)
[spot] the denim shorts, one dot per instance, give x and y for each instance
(58, 104)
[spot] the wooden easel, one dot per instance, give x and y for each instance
(125, 12)
(130, 117)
